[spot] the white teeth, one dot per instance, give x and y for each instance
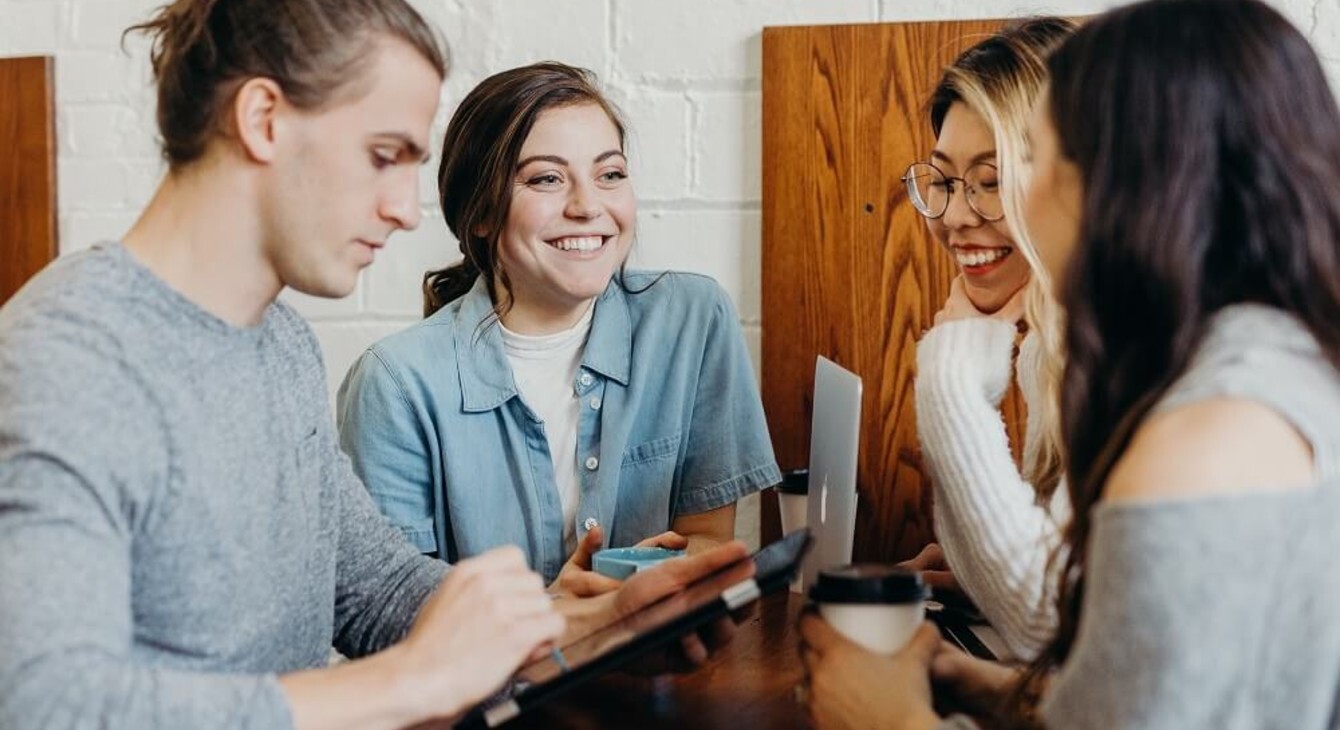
(979, 258)
(583, 243)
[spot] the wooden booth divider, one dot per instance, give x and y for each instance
(27, 170)
(849, 269)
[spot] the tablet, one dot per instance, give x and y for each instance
(710, 598)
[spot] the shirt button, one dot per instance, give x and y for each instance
(595, 403)
(592, 462)
(585, 379)
(590, 524)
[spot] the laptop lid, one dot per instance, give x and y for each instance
(835, 434)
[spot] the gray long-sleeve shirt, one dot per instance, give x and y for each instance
(177, 523)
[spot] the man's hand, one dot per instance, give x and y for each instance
(488, 616)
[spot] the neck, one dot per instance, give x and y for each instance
(201, 235)
(531, 318)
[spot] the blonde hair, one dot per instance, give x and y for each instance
(1000, 79)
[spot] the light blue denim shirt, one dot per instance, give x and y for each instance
(671, 424)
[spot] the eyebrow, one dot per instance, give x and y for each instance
(414, 149)
(561, 161)
(979, 157)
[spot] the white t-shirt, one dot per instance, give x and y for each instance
(545, 369)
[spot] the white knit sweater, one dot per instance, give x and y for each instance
(996, 538)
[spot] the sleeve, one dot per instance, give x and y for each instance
(729, 452)
(995, 536)
(82, 454)
(389, 448)
(382, 579)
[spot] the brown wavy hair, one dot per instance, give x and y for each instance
(204, 50)
(1208, 143)
(479, 155)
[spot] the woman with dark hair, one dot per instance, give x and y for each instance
(1185, 163)
(552, 399)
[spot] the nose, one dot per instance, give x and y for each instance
(400, 205)
(959, 214)
(583, 203)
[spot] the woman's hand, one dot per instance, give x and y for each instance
(665, 581)
(672, 577)
(930, 562)
(577, 580)
(959, 305)
(849, 687)
(968, 684)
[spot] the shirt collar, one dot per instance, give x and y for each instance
(481, 360)
(609, 349)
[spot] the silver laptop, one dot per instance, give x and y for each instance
(835, 434)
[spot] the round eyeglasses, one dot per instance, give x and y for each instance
(930, 190)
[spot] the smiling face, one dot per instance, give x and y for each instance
(347, 176)
(571, 220)
(992, 269)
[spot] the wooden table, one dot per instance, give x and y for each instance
(748, 684)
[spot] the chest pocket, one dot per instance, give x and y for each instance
(651, 454)
(647, 489)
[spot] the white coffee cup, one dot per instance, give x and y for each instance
(793, 502)
(794, 508)
(876, 606)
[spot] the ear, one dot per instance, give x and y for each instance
(256, 107)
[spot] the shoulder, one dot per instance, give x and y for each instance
(74, 377)
(675, 293)
(70, 321)
(423, 344)
(418, 361)
(1211, 447)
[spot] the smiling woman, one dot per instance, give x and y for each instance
(553, 399)
(571, 220)
(997, 523)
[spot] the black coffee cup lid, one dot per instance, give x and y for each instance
(868, 583)
(796, 481)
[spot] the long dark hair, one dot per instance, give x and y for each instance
(479, 155)
(1208, 144)
(203, 50)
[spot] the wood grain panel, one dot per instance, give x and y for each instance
(849, 270)
(27, 170)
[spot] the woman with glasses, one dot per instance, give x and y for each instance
(996, 526)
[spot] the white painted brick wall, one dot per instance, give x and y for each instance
(686, 72)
